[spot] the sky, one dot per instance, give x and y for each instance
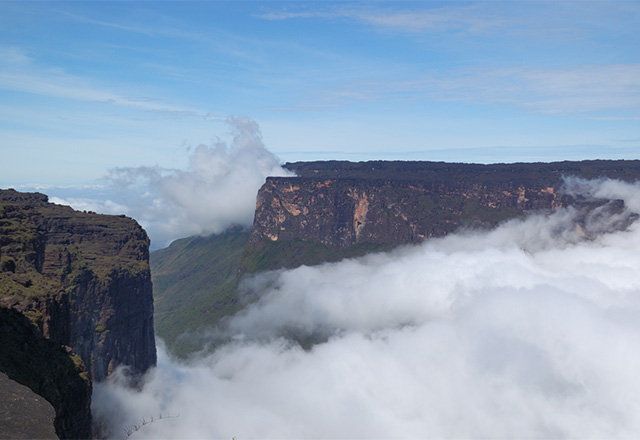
(89, 88)
(528, 331)
(175, 112)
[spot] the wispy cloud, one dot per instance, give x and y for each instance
(567, 85)
(468, 18)
(13, 56)
(235, 45)
(533, 19)
(577, 89)
(580, 89)
(109, 24)
(615, 118)
(22, 75)
(584, 88)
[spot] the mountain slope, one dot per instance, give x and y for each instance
(195, 280)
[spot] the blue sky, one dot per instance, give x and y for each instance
(86, 87)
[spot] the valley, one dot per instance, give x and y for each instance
(334, 210)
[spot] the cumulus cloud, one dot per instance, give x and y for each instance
(216, 191)
(527, 331)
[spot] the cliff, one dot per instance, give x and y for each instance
(79, 281)
(337, 209)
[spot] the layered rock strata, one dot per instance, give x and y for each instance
(82, 281)
(343, 204)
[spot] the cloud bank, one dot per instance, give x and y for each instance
(528, 331)
(216, 191)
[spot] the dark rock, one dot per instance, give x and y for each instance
(23, 413)
(41, 364)
(82, 281)
(340, 206)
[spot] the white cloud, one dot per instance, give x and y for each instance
(529, 331)
(217, 190)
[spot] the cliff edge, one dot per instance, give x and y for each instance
(76, 286)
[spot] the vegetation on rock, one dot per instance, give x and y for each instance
(195, 282)
(75, 301)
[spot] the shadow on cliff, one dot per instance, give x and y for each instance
(50, 370)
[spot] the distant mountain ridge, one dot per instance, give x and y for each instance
(335, 209)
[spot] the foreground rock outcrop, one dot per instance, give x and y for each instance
(24, 414)
(78, 286)
(50, 370)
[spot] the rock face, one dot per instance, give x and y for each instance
(50, 370)
(81, 279)
(340, 205)
(343, 212)
(24, 415)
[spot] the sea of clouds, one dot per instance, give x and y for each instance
(530, 330)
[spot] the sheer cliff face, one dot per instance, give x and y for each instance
(82, 280)
(344, 212)
(342, 204)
